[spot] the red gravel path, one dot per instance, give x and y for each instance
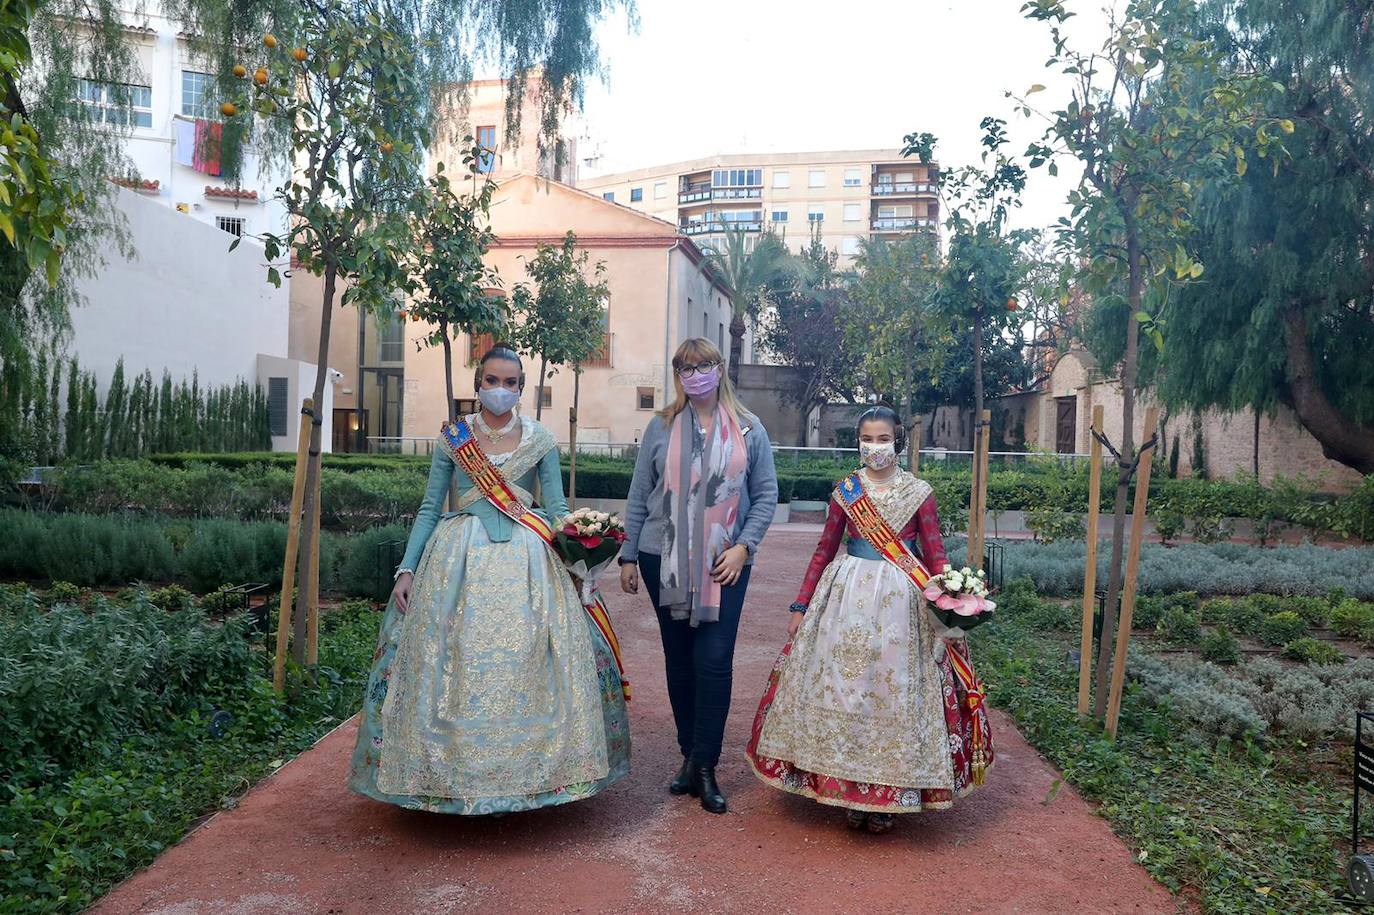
(302, 843)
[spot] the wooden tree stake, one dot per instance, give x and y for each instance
(312, 596)
(1128, 590)
(293, 533)
(572, 458)
(913, 445)
(1085, 645)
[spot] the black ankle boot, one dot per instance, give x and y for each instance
(682, 782)
(704, 786)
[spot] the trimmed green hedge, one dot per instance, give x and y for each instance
(202, 554)
(363, 490)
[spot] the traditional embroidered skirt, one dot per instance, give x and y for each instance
(495, 692)
(862, 709)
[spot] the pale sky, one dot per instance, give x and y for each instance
(701, 77)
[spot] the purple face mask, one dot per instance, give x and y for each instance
(702, 383)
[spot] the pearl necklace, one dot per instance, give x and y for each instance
(495, 435)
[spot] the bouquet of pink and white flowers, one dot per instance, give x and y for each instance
(588, 540)
(959, 597)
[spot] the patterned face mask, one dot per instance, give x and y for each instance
(878, 456)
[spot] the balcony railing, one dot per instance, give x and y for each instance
(888, 188)
(694, 194)
(902, 223)
(706, 228)
(736, 193)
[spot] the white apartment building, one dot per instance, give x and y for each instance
(171, 102)
(846, 196)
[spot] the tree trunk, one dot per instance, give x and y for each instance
(1136, 282)
(977, 368)
(452, 407)
(539, 389)
(1256, 448)
(736, 347)
(311, 506)
(448, 372)
(572, 437)
(1342, 439)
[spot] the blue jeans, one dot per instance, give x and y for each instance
(700, 666)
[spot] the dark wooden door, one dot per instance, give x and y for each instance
(1066, 425)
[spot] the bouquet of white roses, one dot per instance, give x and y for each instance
(588, 540)
(959, 597)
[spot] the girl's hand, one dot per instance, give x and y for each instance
(629, 578)
(729, 565)
(401, 592)
(794, 623)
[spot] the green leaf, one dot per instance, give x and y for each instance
(1196, 271)
(274, 277)
(7, 226)
(54, 268)
(1034, 89)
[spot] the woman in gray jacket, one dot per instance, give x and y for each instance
(702, 497)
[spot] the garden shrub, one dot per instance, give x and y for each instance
(1168, 523)
(1196, 692)
(1312, 651)
(1220, 647)
(1209, 569)
(173, 597)
(1210, 529)
(1179, 625)
(64, 592)
(362, 567)
(1353, 620)
(1281, 628)
(1148, 610)
(71, 681)
(1051, 524)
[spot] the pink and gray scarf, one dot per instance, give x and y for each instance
(701, 496)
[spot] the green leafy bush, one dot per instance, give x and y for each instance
(117, 703)
(1051, 524)
(64, 592)
(1220, 647)
(1312, 651)
(1281, 628)
(1353, 620)
(172, 597)
(1179, 625)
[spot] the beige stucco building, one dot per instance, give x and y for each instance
(661, 292)
(390, 393)
(1058, 419)
(848, 195)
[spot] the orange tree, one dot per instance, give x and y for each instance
(451, 238)
(342, 92)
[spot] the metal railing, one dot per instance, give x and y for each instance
(706, 228)
(790, 456)
(905, 187)
(901, 223)
(736, 193)
(694, 195)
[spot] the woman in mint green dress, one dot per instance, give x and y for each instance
(491, 690)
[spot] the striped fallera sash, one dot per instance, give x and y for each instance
(474, 462)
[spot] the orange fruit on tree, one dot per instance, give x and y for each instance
(270, 40)
(260, 76)
(228, 109)
(300, 55)
(1011, 305)
(387, 147)
(240, 71)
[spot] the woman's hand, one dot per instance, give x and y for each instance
(729, 565)
(794, 623)
(629, 578)
(400, 593)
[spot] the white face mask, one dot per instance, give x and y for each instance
(878, 456)
(499, 400)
